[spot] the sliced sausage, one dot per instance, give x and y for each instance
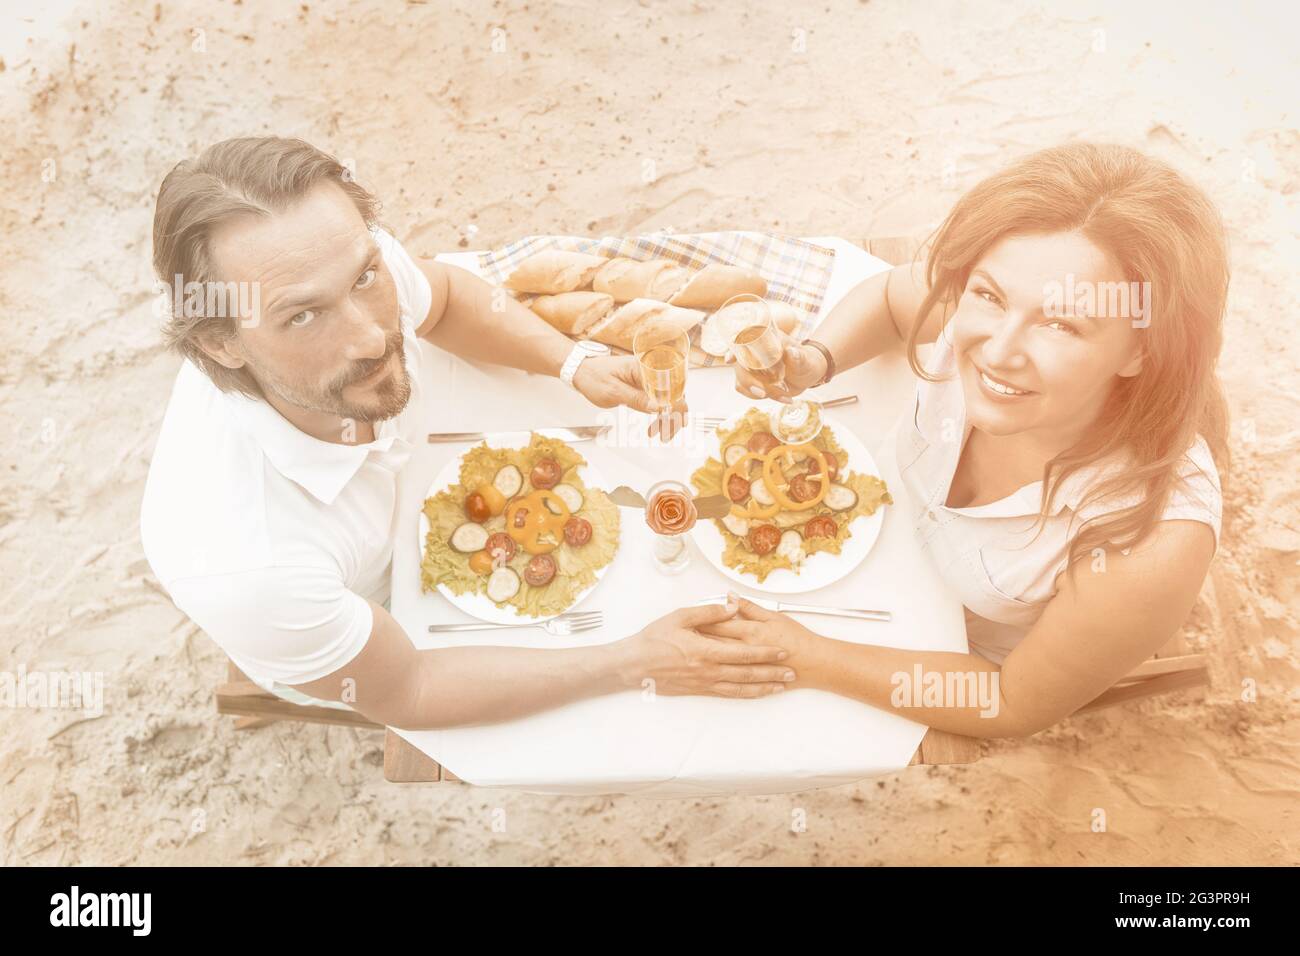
(823, 526)
(546, 474)
(539, 571)
(500, 541)
(764, 539)
(737, 488)
(762, 442)
(577, 532)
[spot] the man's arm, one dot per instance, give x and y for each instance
(472, 319)
(477, 321)
(393, 683)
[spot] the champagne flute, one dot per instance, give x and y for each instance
(758, 346)
(662, 352)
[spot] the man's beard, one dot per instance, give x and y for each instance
(389, 397)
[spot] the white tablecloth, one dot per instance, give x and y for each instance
(678, 746)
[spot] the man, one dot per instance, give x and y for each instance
(269, 509)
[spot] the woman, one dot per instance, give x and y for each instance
(1060, 462)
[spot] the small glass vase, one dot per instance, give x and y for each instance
(672, 552)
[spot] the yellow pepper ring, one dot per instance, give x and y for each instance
(753, 509)
(538, 520)
(770, 465)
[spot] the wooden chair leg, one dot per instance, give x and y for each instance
(252, 723)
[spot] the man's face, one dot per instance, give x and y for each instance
(328, 337)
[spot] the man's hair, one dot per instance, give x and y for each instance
(257, 176)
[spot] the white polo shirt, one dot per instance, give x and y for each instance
(992, 556)
(272, 540)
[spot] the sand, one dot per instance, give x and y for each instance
(596, 118)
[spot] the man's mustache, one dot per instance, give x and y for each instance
(394, 345)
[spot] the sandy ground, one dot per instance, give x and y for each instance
(850, 118)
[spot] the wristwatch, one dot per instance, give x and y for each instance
(582, 351)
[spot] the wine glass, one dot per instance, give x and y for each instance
(758, 346)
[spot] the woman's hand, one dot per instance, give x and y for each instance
(679, 659)
(759, 627)
(805, 366)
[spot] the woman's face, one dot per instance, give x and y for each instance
(1025, 366)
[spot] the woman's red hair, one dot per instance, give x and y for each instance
(1162, 230)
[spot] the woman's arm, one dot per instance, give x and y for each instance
(876, 316)
(1100, 625)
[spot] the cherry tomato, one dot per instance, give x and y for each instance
(764, 539)
(500, 541)
(832, 466)
(802, 488)
(476, 507)
(577, 532)
(539, 571)
(546, 474)
(737, 488)
(823, 526)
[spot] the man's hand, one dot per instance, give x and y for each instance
(804, 367)
(680, 660)
(611, 380)
(758, 627)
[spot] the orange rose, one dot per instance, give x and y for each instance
(670, 512)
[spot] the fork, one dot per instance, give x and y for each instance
(708, 423)
(570, 622)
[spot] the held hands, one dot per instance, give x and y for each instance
(610, 380)
(804, 367)
(675, 653)
(758, 627)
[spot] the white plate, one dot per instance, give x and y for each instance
(479, 605)
(820, 569)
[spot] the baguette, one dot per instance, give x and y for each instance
(627, 279)
(553, 271)
(715, 284)
(573, 312)
(619, 328)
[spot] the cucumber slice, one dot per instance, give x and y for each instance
(571, 497)
(758, 488)
(503, 584)
(840, 498)
(508, 481)
(469, 537)
(737, 526)
(733, 453)
(791, 546)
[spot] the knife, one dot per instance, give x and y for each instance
(789, 607)
(708, 506)
(577, 433)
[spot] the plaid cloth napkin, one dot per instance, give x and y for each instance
(796, 271)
